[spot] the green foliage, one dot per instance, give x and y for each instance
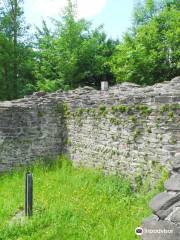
(74, 55)
(144, 109)
(138, 182)
(164, 108)
(73, 204)
(148, 9)
(79, 112)
(149, 130)
(16, 55)
(63, 111)
(133, 118)
(145, 187)
(119, 108)
(151, 53)
(137, 133)
(102, 108)
(170, 108)
(115, 121)
(171, 115)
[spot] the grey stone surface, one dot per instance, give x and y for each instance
(173, 183)
(176, 162)
(151, 218)
(162, 214)
(131, 142)
(164, 200)
(126, 130)
(175, 216)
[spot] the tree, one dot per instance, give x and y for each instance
(11, 27)
(5, 64)
(152, 54)
(74, 55)
(148, 9)
(18, 53)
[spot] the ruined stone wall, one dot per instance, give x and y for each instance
(29, 130)
(127, 129)
(164, 223)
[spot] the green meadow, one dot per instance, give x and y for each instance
(73, 204)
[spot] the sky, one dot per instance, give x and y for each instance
(115, 15)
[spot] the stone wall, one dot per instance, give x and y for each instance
(29, 130)
(164, 224)
(127, 129)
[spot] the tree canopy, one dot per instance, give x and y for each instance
(150, 52)
(73, 55)
(76, 54)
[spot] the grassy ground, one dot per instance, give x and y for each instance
(72, 204)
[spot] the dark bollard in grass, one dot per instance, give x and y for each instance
(28, 194)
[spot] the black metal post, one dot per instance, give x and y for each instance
(28, 194)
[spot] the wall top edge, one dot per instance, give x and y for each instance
(168, 91)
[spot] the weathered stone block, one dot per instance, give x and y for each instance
(162, 214)
(175, 216)
(173, 183)
(164, 200)
(163, 99)
(176, 161)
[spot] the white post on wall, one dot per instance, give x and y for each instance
(104, 86)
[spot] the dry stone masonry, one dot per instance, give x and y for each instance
(126, 129)
(164, 224)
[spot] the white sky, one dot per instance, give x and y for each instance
(114, 14)
(35, 10)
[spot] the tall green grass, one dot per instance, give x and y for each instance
(72, 204)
